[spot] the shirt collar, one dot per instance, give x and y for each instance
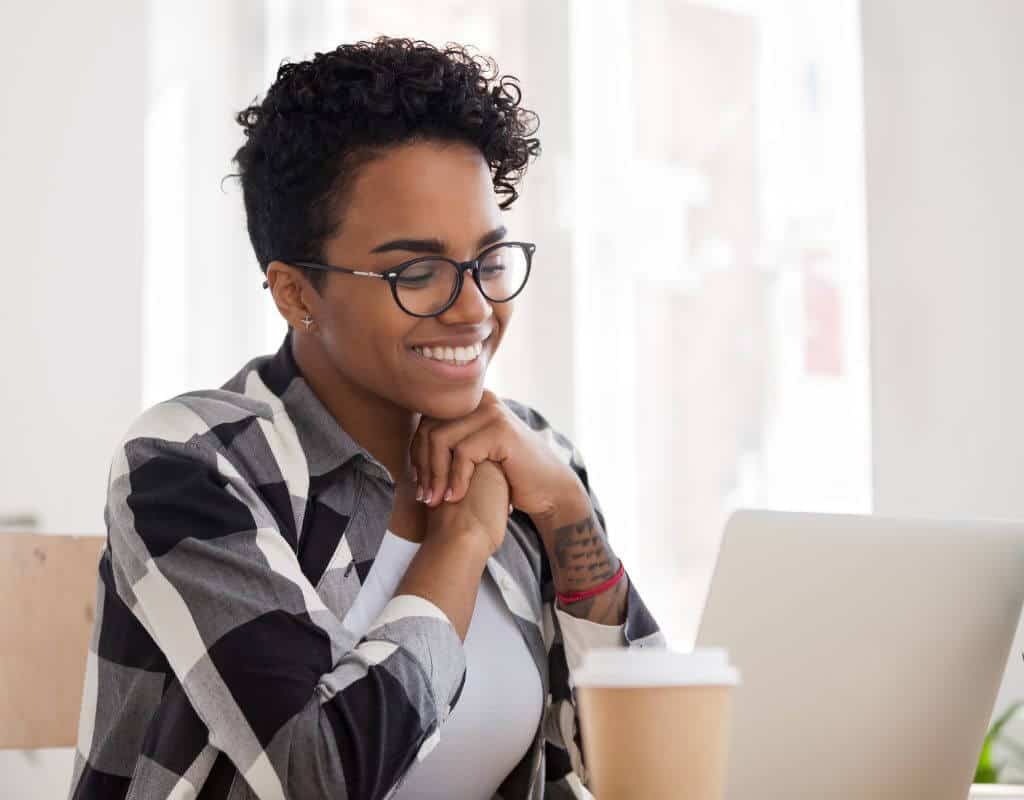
(326, 444)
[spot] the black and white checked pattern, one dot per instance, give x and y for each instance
(241, 523)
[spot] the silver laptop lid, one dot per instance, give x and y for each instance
(871, 651)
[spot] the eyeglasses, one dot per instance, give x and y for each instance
(429, 285)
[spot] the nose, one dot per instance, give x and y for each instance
(470, 306)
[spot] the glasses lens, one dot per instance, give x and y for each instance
(503, 272)
(425, 287)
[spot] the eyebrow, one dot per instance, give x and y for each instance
(436, 245)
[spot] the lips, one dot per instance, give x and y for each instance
(467, 340)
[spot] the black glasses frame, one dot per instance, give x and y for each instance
(392, 275)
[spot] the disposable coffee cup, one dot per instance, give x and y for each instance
(655, 722)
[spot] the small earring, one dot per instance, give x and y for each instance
(307, 321)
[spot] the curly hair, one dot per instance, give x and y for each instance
(324, 119)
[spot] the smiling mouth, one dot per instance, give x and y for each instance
(452, 356)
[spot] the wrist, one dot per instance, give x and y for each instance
(467, 543)
(566, 600)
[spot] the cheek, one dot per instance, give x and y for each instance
(503, 316)
(365, 334)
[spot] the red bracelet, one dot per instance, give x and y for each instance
(575, 597)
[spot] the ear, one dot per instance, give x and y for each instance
(291, 292)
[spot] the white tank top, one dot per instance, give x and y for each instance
(494, 722)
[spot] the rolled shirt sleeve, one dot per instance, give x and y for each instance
(580, 635)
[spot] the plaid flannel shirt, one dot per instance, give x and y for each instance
(241, 523)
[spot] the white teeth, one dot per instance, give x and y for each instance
(452, 355)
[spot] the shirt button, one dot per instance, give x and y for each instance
(506, 583)
(445, 713)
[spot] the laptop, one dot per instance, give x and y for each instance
(870, 651)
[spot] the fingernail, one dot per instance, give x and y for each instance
(427, 498)
(448, 495)
(419, 492)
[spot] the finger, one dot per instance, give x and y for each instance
(463, 467)
(471, 451)
(419, 454)
(440, 465)
(442, 439)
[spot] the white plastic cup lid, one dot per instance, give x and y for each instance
(614, 667)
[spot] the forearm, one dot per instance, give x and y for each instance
(581, 559)
(447, 572)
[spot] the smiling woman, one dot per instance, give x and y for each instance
(352, 568)
(419, 196)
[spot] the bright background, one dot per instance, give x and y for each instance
(778, 250)
(696, 320)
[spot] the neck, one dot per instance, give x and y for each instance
(382, 428)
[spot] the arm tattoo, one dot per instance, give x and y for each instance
(584, 560)
(583, 555)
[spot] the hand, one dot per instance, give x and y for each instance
(459, 539)
(482, 514)
(445, 454)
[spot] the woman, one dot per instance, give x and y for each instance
(314, 584)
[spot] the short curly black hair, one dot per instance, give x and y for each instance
(323, 119)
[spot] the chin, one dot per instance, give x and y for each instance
(451, 405)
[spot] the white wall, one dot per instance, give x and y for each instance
(71, 101)
(71, 234)
(944, 124)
